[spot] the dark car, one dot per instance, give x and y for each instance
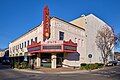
(112, 63)
(6, 62)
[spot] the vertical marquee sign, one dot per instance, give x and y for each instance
(46, 23)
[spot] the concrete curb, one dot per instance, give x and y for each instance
(67, 72)
(25, 70)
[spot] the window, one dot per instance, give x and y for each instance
(22, 45)
(18, 46)
(61, 35)
(75, 39)
(31, 41)
(36, 39)
(28, 43)
(25, 44)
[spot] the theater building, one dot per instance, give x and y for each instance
(58, 43)
(62, 48)
(64, 43)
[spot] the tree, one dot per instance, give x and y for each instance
(117, 40)
(106, 40)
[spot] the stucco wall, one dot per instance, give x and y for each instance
(36, 32)
(74, 33)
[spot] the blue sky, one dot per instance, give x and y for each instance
(19, 16)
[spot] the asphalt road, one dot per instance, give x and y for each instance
(112, 72)
(9, 74)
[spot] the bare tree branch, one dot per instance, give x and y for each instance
(105, 41)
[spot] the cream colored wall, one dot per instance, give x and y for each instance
(74, 33)
(70, 32)
(79, 22)
(37, 32)
(91, 24)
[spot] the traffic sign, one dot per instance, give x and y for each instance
(90, 55)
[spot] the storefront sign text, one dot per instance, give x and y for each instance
(34, 49)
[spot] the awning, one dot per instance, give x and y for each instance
(53, 46)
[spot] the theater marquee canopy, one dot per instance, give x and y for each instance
(52, 46)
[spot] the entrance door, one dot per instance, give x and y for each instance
(59, 59)
(34, 62)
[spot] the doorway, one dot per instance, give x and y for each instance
(59, 59)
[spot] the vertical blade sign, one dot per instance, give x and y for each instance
(46, 23)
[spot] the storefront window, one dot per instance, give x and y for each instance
(46, 60)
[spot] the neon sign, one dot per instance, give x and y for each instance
(46, 23)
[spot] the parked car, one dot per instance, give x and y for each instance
(118, 62)
(112, 63)
(6, 62)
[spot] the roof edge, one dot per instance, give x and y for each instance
(25, 33)
(67, 22)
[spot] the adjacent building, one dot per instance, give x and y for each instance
(4, 54)
(92, 24)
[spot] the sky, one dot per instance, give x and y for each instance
(19, 16)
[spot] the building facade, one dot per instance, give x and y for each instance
(67, 43)
(92, 24)
(60, 31)
(4, 54)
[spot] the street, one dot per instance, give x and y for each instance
(9, 74)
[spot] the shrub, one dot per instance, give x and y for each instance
(83, 64)
(100, 65)
(96, 65)
(24, 65)
(29, 66)
(87, 67)
(16, 64)
(91, 66)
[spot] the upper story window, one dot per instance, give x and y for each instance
(25, 44)
(18, 46)
(61, 35)
(22, 45)
(28, 43)
(31, 41)
(75, 39)
(15, 47)
(36, 39)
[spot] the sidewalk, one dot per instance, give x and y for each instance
(53, 71)
(60, 70)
